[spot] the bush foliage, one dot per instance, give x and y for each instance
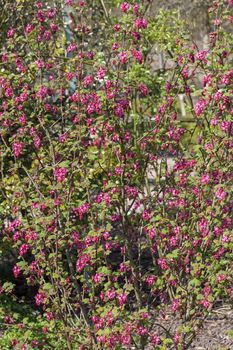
(115, 210)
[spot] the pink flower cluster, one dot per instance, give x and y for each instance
(60, 174)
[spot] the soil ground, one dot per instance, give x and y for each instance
(214, 335)
(215, 332)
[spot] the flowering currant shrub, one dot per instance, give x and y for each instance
(117, 211)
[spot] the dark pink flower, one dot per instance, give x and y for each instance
(23, 249)
(138, 56)
(125, 6)
(200, 107)
(221, 277)
(39, 299)
(29, 28)
(144, 89)
(71, 48)
(16, 271)
(163, 263)
(17, 148)
(123, 57)
(220, 194)
(205, 179)
(146, 215)
(122, 298)
(11, 33)
(82, 261)
(60, 174)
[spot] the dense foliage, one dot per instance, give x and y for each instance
(115, 211)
